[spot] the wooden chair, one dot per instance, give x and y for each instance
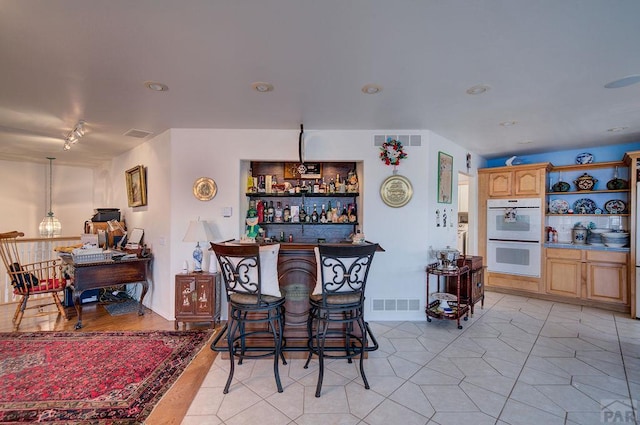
(43, 277)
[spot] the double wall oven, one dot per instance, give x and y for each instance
(514, 236)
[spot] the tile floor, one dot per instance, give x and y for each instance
(517, 361)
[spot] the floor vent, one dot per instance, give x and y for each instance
(405, 139)
(396, 305)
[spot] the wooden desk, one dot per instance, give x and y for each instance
(109, 273)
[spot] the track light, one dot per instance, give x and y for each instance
(74, 135)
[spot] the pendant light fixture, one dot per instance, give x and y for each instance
(50, 226)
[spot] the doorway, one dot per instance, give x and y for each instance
(464, 234)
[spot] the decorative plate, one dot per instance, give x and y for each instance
(615, 206)
(558, 206)
(584, 158)
(396, 191)
(584, 206)
(204, 189)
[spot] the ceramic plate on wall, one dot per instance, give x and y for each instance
(584, 158)
(584, 206)
(558, 206)
(615, 206)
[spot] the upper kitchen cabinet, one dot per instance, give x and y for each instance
(514, 181)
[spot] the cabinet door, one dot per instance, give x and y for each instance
(607, 282)
(563, 277)
(204, 300)
(526, 182)
(500, 183)
(185, 294)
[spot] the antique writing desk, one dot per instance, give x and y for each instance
(108, 273)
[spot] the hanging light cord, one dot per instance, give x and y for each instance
(50, 186)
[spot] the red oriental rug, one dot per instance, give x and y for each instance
(90, 377)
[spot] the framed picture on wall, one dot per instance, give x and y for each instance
(136, 186)
(445, 178)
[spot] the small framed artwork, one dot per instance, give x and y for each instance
(297, 170)
(445, 178)
(136, 186)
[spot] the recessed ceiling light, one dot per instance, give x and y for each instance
(478, 89)
(623, 82)
(262, 87)
(508, 123)
(155, 86)
(617, 129)
(371, 89)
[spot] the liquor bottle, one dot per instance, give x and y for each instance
(308, 218)
(353, 213)
(270, 212)
(344, 218)
(323, 215)
(302, 214)
(286, 214)
(297, 188)
(332, 186)
(278, 213)
(260, 208)
(323, 186)
(250, 187)
(329, 213)
(316, 186)
(314, 214)
(304, 188)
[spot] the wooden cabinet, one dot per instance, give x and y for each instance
(472, 284)
(521, 180)
(592, 275)
(197, 298)
(606, 276)
(563, 272)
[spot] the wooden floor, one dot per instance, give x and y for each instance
(175, 403)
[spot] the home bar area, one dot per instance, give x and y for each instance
(300, 206)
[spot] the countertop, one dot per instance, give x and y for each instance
(569, 245)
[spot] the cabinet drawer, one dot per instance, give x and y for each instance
(608, 257)
(564, 254)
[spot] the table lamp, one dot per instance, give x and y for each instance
(198, 231)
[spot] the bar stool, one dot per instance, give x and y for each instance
(256, 306)
(337, 303)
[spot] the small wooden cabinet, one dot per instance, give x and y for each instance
(471, 285)
(592, 275)
(516, 181)
(197, 298)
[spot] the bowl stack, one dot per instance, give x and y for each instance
(616, 239)
(595, 236)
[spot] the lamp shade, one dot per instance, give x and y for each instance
(198, 231)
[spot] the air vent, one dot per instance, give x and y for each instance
(405, 139)
(138, 134)
(402, 304)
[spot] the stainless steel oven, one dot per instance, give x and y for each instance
(514, 232)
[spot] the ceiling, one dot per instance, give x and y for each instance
(545, 62)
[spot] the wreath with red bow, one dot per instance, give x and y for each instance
(391, 152)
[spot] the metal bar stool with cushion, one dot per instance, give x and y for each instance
(337, 303)
(42, 277)
(256, 306)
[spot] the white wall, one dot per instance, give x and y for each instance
(24, 194)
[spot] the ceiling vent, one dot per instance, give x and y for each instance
(405, 139)
(138, 134)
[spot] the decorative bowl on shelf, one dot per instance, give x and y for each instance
(584, 158)
(585, 182)
(617, 184)
(561, 187)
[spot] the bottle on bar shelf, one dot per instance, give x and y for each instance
(278, 213)
(270, 212)
(286, 214)
(323, 215)
(302, 214)
(314, 214)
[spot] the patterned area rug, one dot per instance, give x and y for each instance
(101, 378)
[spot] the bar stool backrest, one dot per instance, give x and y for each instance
(343, 269)
(240, 269)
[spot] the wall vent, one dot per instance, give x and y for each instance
(138, 134)
(406, 139)
(402, 304)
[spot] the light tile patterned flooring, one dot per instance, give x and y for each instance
(517, 361)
